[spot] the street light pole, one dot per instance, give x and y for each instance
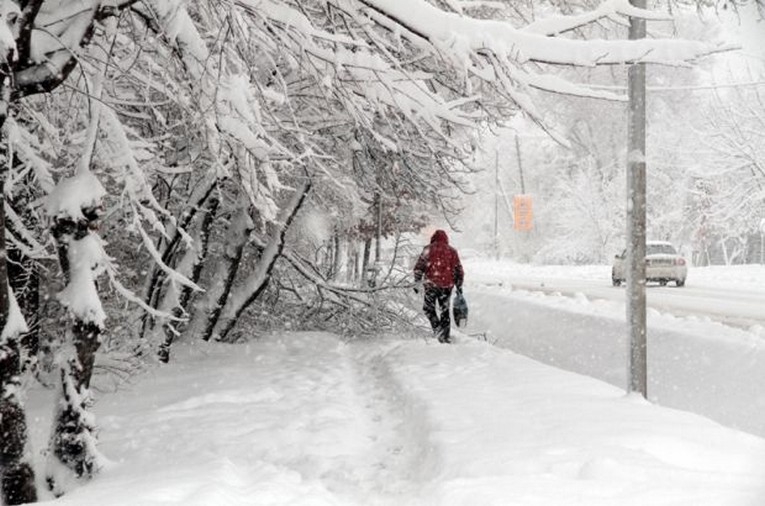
(636, 216)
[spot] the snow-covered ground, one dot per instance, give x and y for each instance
(308, 419)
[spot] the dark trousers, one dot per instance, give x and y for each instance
(437, 310)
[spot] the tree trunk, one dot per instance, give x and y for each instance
(338, 258)
(17, 480)
(74, 434)
(73, 440)
(199, 256)
(254, 285)
(365, 260)
(16, 474)
(24, 275)
(208, 312)
(153, 287)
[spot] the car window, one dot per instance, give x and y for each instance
(660, 249)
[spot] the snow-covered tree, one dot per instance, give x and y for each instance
(579, 188)
(75, 207)
(734, 171)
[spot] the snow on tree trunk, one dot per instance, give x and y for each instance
(74, 206)
(158, 276)
(16, 472)
(17, 481)
(209, 310)
(191, 266)
(24, 272)
(256, 282)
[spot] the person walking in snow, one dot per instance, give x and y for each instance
(439, 264)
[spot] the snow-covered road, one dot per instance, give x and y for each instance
(731, 295)
(738, 307)
(706, 343)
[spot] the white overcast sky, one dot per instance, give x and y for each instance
(748, 29)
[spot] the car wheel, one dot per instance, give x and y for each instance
(680, 282)
(663, 282)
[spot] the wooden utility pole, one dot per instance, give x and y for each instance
(636, 223)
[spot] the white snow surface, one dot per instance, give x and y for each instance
(311, 419)
(15, 324)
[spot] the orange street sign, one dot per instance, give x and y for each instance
(523, 212)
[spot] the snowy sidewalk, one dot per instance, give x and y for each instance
(513, 431)
(304, 419)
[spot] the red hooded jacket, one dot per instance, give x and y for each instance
(439, 263)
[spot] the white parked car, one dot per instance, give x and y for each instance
(662, 264)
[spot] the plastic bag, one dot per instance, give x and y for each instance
(460, 310)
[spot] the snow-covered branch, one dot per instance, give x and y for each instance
(462, 37)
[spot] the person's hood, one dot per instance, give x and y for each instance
(439, 236)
